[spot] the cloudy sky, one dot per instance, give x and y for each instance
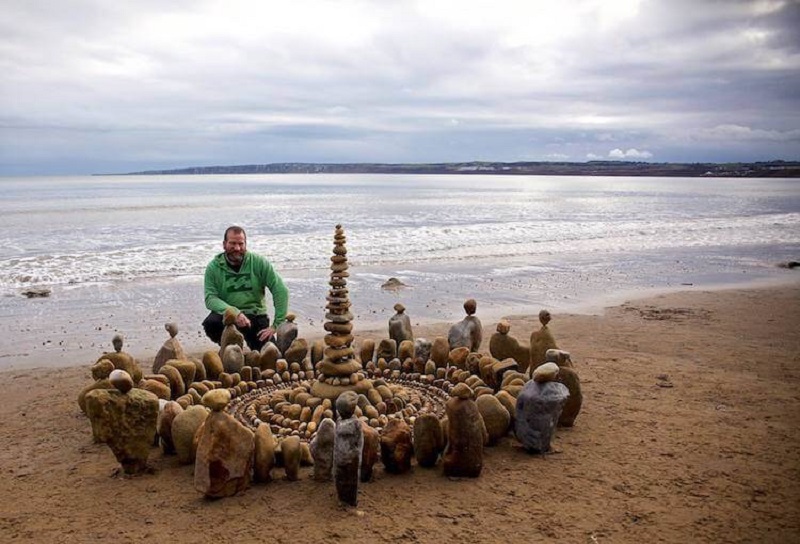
(93, 86)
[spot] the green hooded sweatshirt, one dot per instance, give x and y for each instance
(244, 290)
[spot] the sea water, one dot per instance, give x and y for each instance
(130, 251)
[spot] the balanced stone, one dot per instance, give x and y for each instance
(232, 358)
(297, 351)
(164, 425)
(440, 350)
(171, 349)
(176, 384)
(126, 362)
(264, 454)
(538, 408)
(186, 368)
(428, 440)
(217, 399)
(322, 450)
(224, 459)
(495, 417)
(269, 356)
(504, 346)
(101, 369)
(213, 364)
(347, 450)
(541, 341)
(558, 356)
(290, 448)
(121, 380)
(185, 427)
(367, 351)
(396, 447)
(546, 372)
(468, 332)
(400, 325)
(422, 349)
(286, 333)
(458, 357)
(370, 453)
(231, 336)
(572, 407)
(126, 422)
(387, 349)
(466, 435)
(159, 389)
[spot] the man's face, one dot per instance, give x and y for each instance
(235, 246)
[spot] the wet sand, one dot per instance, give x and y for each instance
(713, 458)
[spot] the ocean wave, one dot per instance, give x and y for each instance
(535, 240)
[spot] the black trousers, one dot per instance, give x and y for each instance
(214, 326)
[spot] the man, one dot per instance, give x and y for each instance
(237, 279)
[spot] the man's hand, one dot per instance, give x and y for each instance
(242, 321)
(266, 334)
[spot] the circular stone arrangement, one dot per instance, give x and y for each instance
(290, 409)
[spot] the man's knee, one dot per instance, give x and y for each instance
(213, 326)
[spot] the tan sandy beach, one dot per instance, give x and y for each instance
(714, 458)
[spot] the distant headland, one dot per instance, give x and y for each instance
(770, 169)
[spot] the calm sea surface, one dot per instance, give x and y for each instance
(140, 244)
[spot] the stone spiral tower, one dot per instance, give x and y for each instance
(339, 371)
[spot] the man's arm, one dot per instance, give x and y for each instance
(213, 288)
(280, 298)
(279, 292)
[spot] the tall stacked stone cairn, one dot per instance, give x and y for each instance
(339, 371)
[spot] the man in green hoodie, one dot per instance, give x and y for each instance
(238, 279)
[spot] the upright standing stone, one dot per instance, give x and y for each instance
(348, 446)
(468, 332)
(466, 435)
(371, 451)
(572, 407)
(232, 358)
(400, 325)
(440, 351)
(171, 349)
(269, 356)
(495, 417)
(428, 440)
(539, 406)
(290, 447)
(541, 341)
(387, 349)
(230, 334)
(123, 361)
(224, 451)
(125, 419)
(504, 346)
(185, 427)
(165, 418)
(212, 363)
(264, 454)
(422, 349)
(286, 334)
(396, 447)
(322, 450)
(367, 353)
